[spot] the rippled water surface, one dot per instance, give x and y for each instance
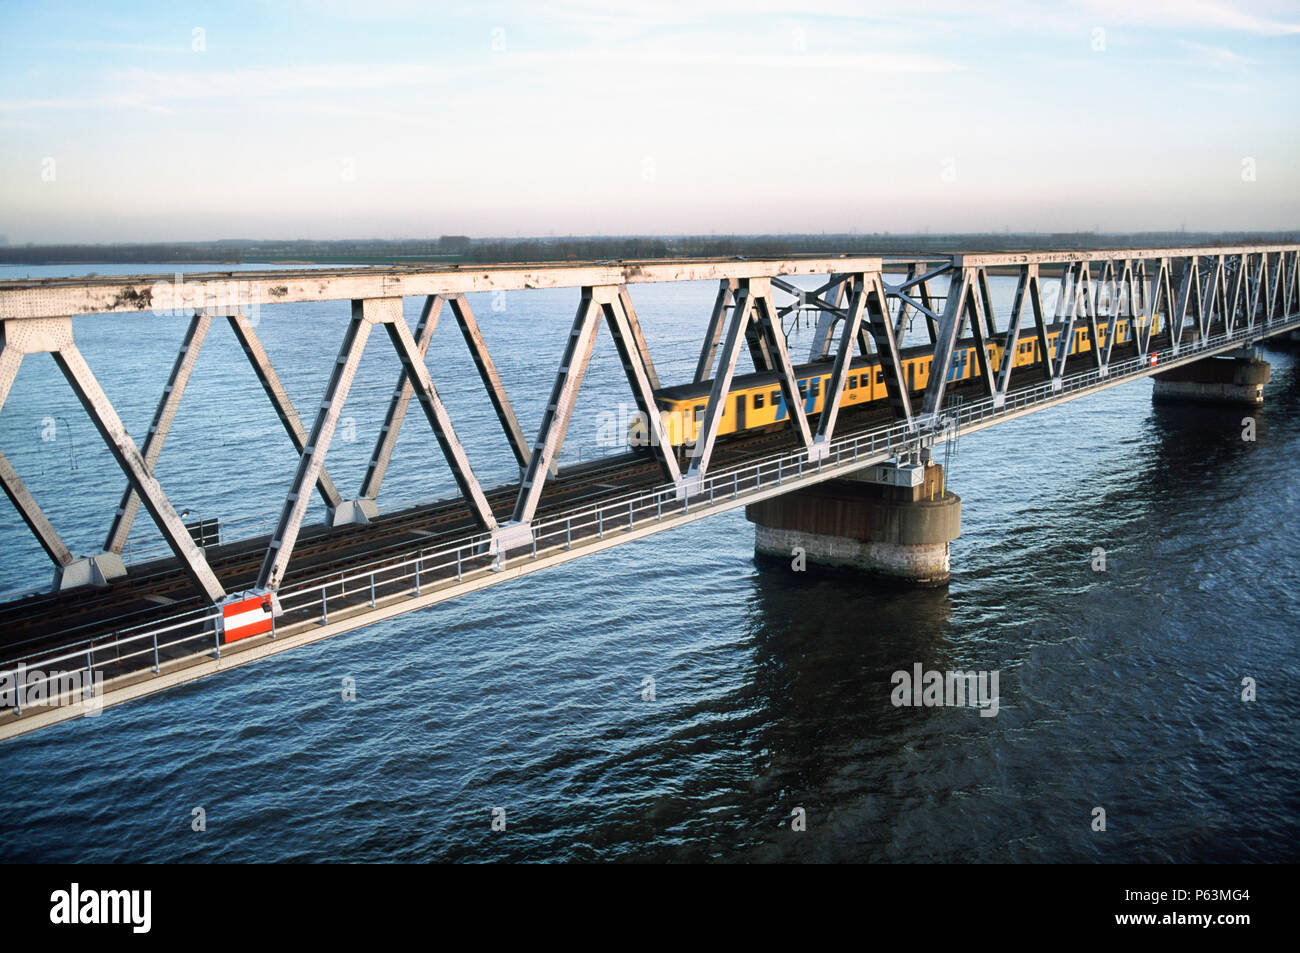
(1119, 689)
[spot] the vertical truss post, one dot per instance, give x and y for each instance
(634, 354)
(390, 315)
(124, 450)
(182, 368)
(843, 360)
(400, 402)
(365, 313)
(559, 409)
(727, 288)
(279, 397)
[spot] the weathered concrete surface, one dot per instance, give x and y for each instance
(1215, 380)
(897, 532)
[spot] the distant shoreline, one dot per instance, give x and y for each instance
(463, 250)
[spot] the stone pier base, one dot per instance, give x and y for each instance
(891, 521)
(1215, 380)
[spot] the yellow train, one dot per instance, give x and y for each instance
(757, 400)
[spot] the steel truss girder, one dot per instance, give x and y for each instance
(717, 321)
(843, 359)
(640, 373)
(879, 324)
(124, 450)
(488, 374)
(30, 511)
(279, 397)
(615, 306)
(183, 366)
(186, 359)
(55, 337)
(754, 317)
(365, 314)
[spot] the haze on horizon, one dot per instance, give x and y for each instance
(384, 118)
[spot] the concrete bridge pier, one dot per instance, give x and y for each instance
(893, 521)
(1235, 378)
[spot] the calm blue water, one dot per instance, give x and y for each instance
(1118, 689)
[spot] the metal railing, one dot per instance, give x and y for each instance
(411, 576)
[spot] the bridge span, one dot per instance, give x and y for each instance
(850, 431)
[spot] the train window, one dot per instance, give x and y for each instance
(880, 376)
(699, 411)
(776, 398)
(758, 400)
(803, 388)
(852, 382)
(817, 386)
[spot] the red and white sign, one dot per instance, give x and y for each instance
(243, 617)
(1153, 359)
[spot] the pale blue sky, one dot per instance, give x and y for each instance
(397, 118)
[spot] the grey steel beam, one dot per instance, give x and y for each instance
(452, 449)
(128, 457)
(1089, 295)
(163, 416)
(32, 514)
(400, 402)
(559, 409)
(1067, 313)
(11, 359)
(760, 347)
(637, 338)
(769, 326)
(1233, 300)
(1292, 288)
(879, 324)
(279, 397)
(1012, 339)
(713, 336)
(487, 371)
(634, 354)
(1120, 281)
(1035, 293)
(737, 331)
(954, 317)
(1188, 287)
(311, 461)
(134, 294)
(981, 320)
(830, 313)
(843, 360)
